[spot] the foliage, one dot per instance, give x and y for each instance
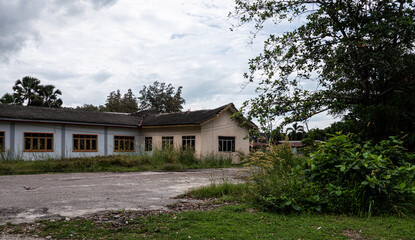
(363, 178)
(161, 97)
(296, 132)
(29, 91)
(358, 55)
(316, 134)
(49, 96)
(91, 107)
(7, 99)
(274, 182)
(117, 103)
(342, 176)
(230, 222)
(277, 160)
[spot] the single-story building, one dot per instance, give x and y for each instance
(39, 133)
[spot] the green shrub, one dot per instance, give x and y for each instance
(342, 176)
(363, 178)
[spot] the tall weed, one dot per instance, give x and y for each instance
(159, 159)
(273, 173)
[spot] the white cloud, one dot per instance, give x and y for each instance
(88, 48)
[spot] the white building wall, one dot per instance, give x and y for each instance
(206, 137)
(21, 128)
(5, 127)
(105, 145)
(70, 130)
(133, 132)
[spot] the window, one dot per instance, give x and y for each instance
(2, 142)
(84, 143)
(124, 143)
(226, 144)
(166, 142)
(188, 142)
(38, 142)
(148, 144)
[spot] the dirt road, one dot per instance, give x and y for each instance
(25, 198)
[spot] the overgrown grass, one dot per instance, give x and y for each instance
(226, 191)
(230, 222)
(167, 159)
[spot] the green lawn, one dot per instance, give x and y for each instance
(229, 222)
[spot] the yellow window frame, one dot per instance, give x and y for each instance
(35, 139)
(2, 141)
(124, 143)
(84, 140)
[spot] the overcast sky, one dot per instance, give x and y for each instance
(88, 48)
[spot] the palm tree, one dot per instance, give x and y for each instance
(295, 132)
(26, 89)
(50, 96)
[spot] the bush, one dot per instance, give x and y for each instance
(363, 178)
(274, 176)
(342, 176)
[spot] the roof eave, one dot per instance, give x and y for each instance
(172, 125)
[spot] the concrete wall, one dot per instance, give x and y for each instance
(5, 127)
(21, 128)
(177, 132)
(63, 139)
(206, 137)
(226, 127)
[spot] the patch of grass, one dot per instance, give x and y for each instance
(168, 159)
(231, 222)
(225, 191)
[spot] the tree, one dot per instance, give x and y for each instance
(296, 132)
(50, 96)
(7, 99)
(90, 107)
(360, 54)
(29, 91)
(161, 97)
(26, 90)
(117, 103)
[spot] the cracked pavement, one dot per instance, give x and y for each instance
(26, 198)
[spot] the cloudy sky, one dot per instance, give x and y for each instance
(88, 48)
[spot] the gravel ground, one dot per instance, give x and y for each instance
(25, 198)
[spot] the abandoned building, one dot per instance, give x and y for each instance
(38, 133)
